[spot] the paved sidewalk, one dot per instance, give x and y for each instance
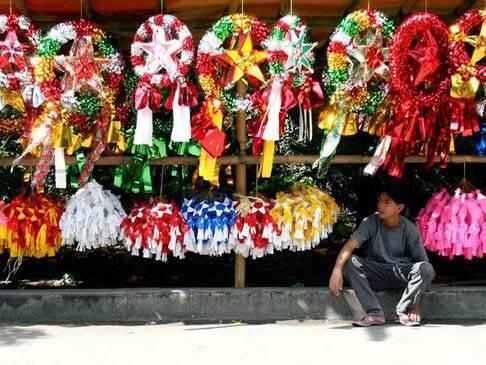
(309, 342)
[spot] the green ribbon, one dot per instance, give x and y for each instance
(191, 148)
(76, 170)
(136, 177)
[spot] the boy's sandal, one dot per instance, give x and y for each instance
(404, 319)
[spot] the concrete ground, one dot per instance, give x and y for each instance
(289, 342)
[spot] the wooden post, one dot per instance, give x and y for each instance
(240, 178)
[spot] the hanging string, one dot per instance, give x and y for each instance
(426, 5)
(161, 6)
(81, 8)
(369, 5)
(292, 7)
(464, 170)
(242, 6)
(257, 168)
(162, 173)
(10, 3)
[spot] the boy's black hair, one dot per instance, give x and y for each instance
(396, 191)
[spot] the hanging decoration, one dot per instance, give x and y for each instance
(420, 122)
(3, 227)
(304, 217)
(481, 110)
(92, 218)
(291, 67)
(455, 225)
(81, 91)
(161, 54)
(156, 229)
(33, 226)
(254, 230)
(467, 71)
(229, 52)
(357, 79)
(210, 222)
(18, 93)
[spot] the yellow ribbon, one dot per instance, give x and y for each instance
(267, 159)
(62, 136)
(208, 168)
(329, 120)
(14, 99)
(464, 88)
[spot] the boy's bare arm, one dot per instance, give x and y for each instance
(336, 280)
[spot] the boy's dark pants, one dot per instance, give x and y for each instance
(365, 276)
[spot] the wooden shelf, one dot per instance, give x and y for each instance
(247, 160)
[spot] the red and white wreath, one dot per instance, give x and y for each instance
(161, 54)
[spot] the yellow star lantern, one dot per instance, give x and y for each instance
(244, 61)
(479, 44)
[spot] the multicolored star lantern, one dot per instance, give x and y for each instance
(299, 52)
(244, 61)
(82, 68)
(369, 56)
(162, 52)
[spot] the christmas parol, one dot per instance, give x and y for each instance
(420, 123)
(92, 218)
(304, 217)
(156, 229)
(468, 73)
(455, 225)
(161, 54)
(357, 77)
(229, 52)
(80, 109)
(33, 225)
(18, 93)
(291, 61)
(255, 230)
(210, 222)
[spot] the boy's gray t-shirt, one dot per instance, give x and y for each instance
(397, 245)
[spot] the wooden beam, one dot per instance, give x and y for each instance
(19, 5)
(408, 6)
(466, 5)
(245, 160)
(240, 262)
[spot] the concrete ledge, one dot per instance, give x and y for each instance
(221, 304)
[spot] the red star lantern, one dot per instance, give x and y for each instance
(426, 54)
(82, 68)
(12, 51)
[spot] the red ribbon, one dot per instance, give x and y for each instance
(146, 96)
(311, 95)
(464, 119)
(187, 96)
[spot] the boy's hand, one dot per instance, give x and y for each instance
(336, 281)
